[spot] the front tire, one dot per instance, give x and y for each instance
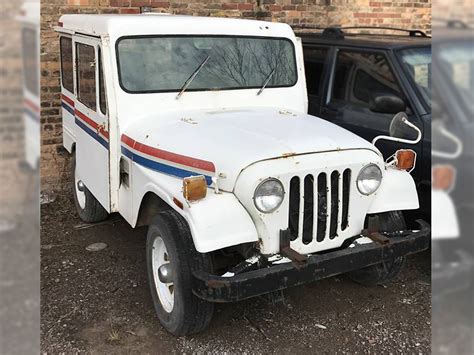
(178, 309)
(88, 207)
(384, 272)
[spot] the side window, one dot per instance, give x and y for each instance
(314, 65)
(102, 97)
(66, 64)
(359, 75)
(30, 63)
(86, 77)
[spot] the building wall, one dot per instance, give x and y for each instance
(54, 164)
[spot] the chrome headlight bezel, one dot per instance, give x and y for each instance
(258, 205)
(359, 179)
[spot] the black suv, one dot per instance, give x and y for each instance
(359, 81)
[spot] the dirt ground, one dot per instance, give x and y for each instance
(99, 302)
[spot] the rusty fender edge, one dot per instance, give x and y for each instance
(281, 276)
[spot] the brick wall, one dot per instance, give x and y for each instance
(54, 165)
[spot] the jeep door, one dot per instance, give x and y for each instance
(91, 120)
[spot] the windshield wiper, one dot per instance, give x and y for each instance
(267, 80)
(193, 75)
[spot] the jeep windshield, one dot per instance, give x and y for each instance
(164, 63)
(417, 63)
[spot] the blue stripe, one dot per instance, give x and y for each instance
(163, 168)
(68, 108)
(93, 134)
(31, 114)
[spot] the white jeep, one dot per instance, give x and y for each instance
(197, 127)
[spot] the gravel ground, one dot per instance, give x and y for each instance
(99, 302)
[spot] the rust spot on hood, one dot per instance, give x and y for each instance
(188, 120)
(287, 155)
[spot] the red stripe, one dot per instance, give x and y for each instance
(68, 100)
(31, 105)
(91, 123)
(128, 141)
(169, 156)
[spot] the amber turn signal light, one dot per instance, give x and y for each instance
(194, 188)
(443, 177)
(405, 159)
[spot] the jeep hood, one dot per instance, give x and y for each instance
(227, 141)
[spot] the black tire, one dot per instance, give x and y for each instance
(91, 211)
(382, 273)
(189, 313)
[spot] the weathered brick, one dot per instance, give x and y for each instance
(230, 6)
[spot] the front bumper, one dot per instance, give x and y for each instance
(319, 266)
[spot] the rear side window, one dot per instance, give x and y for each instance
(360, 75)
(314, 65)
(86, 75)
(66, 64)
(30, 60)
(102, 97)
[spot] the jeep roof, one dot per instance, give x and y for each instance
(144, 24)
(341, 36)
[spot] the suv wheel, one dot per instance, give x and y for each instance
(382, 273)
(171, 260)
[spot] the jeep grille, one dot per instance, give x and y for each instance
(323, 198)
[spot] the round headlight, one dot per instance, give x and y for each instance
(369, 179)
(268, 195)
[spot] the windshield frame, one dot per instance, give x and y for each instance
(411, 80)
(117, 55)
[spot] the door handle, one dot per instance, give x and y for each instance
(102, 127)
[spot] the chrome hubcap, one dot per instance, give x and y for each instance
(165, 274)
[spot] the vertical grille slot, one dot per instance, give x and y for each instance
(294, 208)
(346, 184)
(333, 220)
(322, 207)
(308, 209)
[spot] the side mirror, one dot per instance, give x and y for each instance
(387, 103)
(401, 130)
(444, 144)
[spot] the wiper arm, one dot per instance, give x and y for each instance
(191, 78)
(267, 80)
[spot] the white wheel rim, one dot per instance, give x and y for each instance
(159, 257)
(80, 195)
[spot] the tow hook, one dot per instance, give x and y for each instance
(298, 259)
(376, 236)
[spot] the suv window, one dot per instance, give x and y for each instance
(66, 64)
(86, 77)
(359, 75)
(314, 65)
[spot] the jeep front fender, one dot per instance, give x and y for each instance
(217, 221)
(397, 192)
